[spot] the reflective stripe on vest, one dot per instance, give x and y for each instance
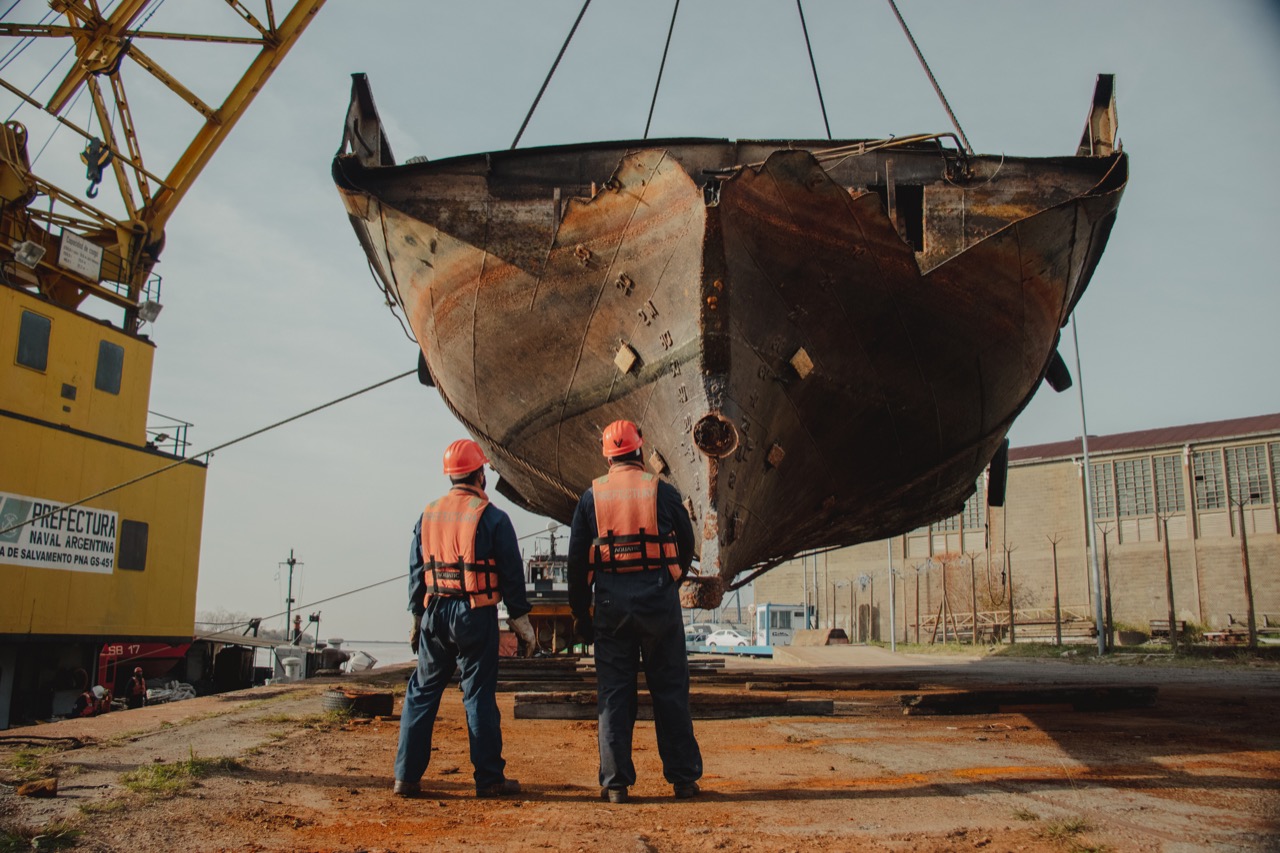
(449, 549)
(627, 536)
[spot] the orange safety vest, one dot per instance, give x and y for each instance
(449, 549)
(138, 686)
(627, 524)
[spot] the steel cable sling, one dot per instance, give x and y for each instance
(946, 106)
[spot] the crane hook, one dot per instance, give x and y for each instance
(96, 156)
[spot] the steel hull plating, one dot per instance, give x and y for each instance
(823, 344)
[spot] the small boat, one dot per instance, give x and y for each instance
(824, 342)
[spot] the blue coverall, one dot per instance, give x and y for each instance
(637, 620)
(453, 635)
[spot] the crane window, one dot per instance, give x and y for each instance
(110, 367)
(33, 341)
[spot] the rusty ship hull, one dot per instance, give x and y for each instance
(824, 343)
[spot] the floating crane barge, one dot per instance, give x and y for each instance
(824, 342)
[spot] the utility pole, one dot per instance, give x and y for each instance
(288, 601)
(1248, 579)
(1168, 584)
(1057, 602)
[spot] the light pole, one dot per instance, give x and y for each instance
(1088, 496)
(288, 601)
(893, 608)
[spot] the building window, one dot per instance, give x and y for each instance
(1275, 464)
(974, 508)
(133, 546)
(1247, 473)
(1170, 497)
(780, 619)
(1206, 468)
(110, 366)
(948, 523)
(33, 341)
(1104, 492)
(1133, 488)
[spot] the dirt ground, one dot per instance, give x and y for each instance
(1199, 770)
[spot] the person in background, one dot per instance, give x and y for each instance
(463, 560)
(137, 697)
(632, 543)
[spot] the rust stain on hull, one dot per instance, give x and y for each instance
(812, 365)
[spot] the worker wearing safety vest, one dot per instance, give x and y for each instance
(463, 560)
(137, 689)
(632, 543)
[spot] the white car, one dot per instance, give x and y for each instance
(727, 637)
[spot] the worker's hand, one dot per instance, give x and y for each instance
(416, 637)
(584, 629)
(524, 631)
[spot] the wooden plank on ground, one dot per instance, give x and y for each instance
(1028, 700)
(581, 705)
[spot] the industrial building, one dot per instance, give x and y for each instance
(1184, 491)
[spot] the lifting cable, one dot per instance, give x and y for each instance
(954, 122)
(554, 65)
(206, 453)
(671, 29)
(814, 67)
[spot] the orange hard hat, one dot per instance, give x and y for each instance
(621, 438)
(463, 457)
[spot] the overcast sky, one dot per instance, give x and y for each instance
(270, 309)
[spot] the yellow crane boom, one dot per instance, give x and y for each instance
(69, 248)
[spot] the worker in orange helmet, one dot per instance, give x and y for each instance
(632, 543)
(137, 695)
(463, 560)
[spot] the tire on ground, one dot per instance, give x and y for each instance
(361, 703)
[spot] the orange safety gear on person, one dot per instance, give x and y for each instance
(463, 457)
(449, 548)
(621, 438)
(137, 684)
(627, 524)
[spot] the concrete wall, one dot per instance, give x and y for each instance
(1045, 502)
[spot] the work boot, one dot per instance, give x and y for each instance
(499, 789)
(614, 795)
(406, 789)
(686, 790)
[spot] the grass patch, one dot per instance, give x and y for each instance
(100, 807)
(1064, 830)
(1024, 814)
(325, 721)
(167, 780)
(52, 836)
(32, 763)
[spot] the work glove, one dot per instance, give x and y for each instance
(524, 631)
(584, 629)
(416, 637)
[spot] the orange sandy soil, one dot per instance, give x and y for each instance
(1198, 771)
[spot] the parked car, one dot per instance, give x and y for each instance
(691, 639)
(727, 637)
